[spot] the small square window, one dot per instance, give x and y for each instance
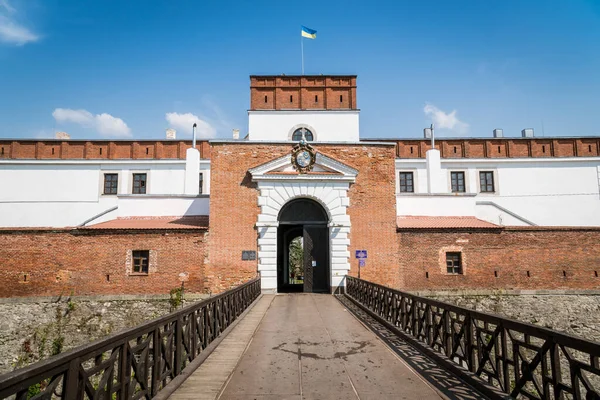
(453, 263)
(406, 182)
(200, 183)
(139, 184)
(486, 181)
(458, 182)
(111, 183)
(141, 260)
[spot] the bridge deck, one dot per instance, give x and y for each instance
(305, 347)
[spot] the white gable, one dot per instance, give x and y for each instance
(325, 168)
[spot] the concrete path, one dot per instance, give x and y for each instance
(206, 382)
(309, 347)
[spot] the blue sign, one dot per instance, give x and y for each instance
(362, 262)
(361, 254)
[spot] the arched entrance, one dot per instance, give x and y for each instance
(306, 219)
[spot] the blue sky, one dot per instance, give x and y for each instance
(119, 69)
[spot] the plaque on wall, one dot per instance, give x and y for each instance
(248, 255)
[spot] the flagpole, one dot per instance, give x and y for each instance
(302, 50)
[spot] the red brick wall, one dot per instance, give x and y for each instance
(99, 149)
(234, 208)
(502, 148)
(511, 252)
(302, 97)
(273, 92)
(62, 262)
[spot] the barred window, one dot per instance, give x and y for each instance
(111, 183)
(139, 184)
(406, 182)
(201, 183)
(453, 263)
(297, 135)
(486, 181)
(140, 261)
(458, 182)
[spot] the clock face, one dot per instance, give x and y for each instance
(303, 158)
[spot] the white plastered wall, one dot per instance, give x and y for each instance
(327, 126)
(333, 196)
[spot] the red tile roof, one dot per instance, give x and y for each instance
(426, 222)
(185, 222)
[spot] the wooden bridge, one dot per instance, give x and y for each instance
(371, 343)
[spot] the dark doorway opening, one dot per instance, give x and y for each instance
(303, 223)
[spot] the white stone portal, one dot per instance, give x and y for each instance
(328, 185)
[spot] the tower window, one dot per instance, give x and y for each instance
(453, 263)
(486, 181)
(341, 98)
(100, 150)
(316, 98)
(291, 98)
(111, 183)
(266, 98)
(200, 183)
(140, 261)
(297, 135)
(458, 181)
(139, 184)
(406, 182)
(53, 151)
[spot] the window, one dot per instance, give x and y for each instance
(453, 263)
(486, 181)
(406, 182)
(140, 261)
(297, 135)
(458, 182)
(111, 183)
(139, 183)
(201, 183)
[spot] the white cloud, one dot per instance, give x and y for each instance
(12, 31)
(184, 122)
(444, 120)
(108, 125)
(105, 124)
(81, 117)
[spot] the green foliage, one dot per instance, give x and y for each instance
(71, 305)
(57, 345)
(34, 390)
(176, 297)
(296, 260)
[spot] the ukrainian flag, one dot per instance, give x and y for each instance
(308, 33)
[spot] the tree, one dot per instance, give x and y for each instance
(296, 260)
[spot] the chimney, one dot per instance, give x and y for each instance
(171, 134)
(427, 133)
(236, 134)
(498, 133)
(62, 135)
(527, 132)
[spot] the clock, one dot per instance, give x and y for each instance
(303, 157)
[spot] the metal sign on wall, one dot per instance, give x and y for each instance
(248, 255)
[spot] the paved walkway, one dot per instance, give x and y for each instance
(305, 347)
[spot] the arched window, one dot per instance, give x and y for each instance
(297, 135)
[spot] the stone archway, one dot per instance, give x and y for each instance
(306, 218)
(328, 188)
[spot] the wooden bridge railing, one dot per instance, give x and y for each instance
(135, 363)
(523, 360)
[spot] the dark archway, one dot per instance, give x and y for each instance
(307, 218)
